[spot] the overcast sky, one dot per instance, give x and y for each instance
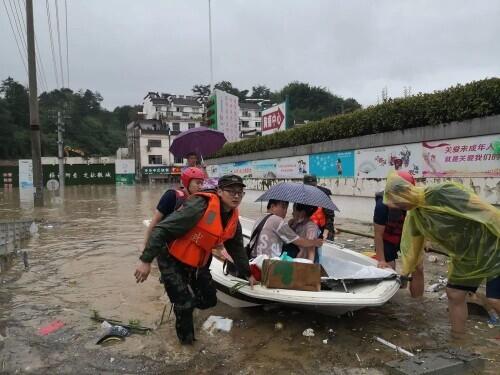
(123, 49)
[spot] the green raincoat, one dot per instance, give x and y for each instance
(456, 219)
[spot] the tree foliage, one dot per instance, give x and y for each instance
(458, 103)
(312, 103)
(89, 127)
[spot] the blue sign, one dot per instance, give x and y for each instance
(332, 164)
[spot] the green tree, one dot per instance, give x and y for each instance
(228, 87)
(260, 92)
(201, 90)
(313, 102)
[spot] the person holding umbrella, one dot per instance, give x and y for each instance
(186, 239)
(197, 143)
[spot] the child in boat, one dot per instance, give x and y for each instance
(302, 224)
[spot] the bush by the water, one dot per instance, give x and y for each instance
(457, 103)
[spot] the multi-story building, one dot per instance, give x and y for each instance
(250, 114)
(148, 142)
(163, 117)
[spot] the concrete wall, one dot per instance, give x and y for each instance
(469, 128)
(487, 188)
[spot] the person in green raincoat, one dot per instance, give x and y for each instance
(457, 220)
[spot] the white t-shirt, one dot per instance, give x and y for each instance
(274, 233)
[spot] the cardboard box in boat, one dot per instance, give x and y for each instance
(279, 274)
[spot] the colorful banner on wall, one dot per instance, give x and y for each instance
(264, 169)
(244, 169)
(462, 157)
(25, 174)
(292, 167)
(332, 164)
(378, 162)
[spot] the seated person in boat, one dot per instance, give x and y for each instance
(302, 224)
(271, 232)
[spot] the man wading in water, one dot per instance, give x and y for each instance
(184, 240)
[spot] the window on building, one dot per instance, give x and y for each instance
(179, 109)
(176, 127)
(246, 114)
(154, 143)
(178, 160)
(191, 126)
(155, 159)
(185, 114)
(257, 124)
(259, 114)
(245, 124)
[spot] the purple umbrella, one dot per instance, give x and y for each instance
(203, 141)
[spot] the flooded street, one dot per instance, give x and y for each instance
(83, 258)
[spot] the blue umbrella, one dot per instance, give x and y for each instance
(298, 193)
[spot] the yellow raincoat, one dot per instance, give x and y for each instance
(456, 219)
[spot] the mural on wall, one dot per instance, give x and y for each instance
(378, 162)
(462, 157)
(265, 169)
(332, 164)
(244, 169)
(292, 167)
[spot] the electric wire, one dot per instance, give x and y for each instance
(15, 38)
(59, 44)
(21, 19)
(54, 63)
(67, 47)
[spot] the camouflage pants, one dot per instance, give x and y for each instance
(187, 288)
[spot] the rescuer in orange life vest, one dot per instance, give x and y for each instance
(388, 227)
(186, 237)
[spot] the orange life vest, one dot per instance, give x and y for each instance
(195, 247)
(319, 217)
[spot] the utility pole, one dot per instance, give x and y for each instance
(36, 153)
(60, 150)
(211, 47)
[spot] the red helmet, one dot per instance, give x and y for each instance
(406, 176)
(191, 173)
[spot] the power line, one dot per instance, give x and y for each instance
(59, 43)
(15, 38)
(67, 48)
(21, 20)
(54, 63)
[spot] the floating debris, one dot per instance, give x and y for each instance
(217, 323)
(308, 332)
(52, 327)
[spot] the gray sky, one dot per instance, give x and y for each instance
(123, 49)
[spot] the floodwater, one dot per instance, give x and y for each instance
(83, 259)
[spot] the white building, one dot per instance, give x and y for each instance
(164, 117)
(250, 115)
(148, 142)
(179, 112)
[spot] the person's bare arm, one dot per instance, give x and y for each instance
(304, 242)
(157, 217)
(379, 245)
(307, 253)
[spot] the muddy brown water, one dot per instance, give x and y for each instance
(83, 259)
